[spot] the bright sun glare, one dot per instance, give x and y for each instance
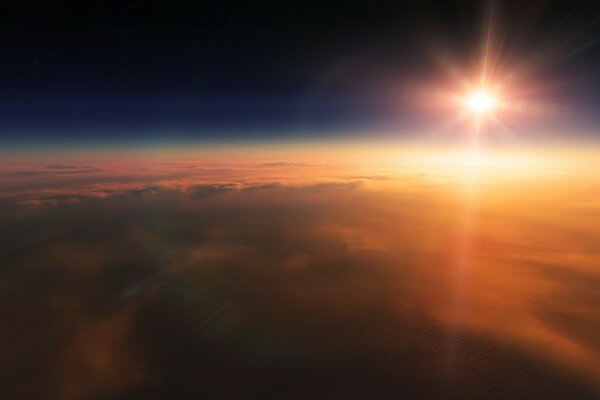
(480, 102)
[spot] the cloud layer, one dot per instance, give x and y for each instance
(294, 280)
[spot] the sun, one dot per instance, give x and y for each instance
(480, 102)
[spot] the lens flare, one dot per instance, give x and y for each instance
(480, 102)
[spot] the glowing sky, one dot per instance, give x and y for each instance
(337, 200)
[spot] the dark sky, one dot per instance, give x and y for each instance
(140, 69)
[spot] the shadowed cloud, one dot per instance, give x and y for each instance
(311, 284)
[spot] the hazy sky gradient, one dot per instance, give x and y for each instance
(135, 71)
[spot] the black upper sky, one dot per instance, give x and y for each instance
(140, 68)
